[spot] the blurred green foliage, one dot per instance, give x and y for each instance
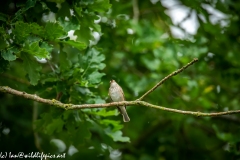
(133, 43)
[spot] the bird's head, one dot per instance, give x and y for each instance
(112, 81)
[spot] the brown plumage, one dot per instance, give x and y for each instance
(117, 95)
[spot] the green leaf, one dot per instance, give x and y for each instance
(47, 47)
(222, 135)
(84, 130)
(29, 4)
(92, 60)
(78, 11)
(84, 35)
(3, 37)
(52, 6)
(151, 64)
(3, 43)
(32, 68)
(96, 56)
(116, 125)
(55, 126)
(22, 31)
(103, 112)
(8, 54)
(94, 26)
(65, 63)
(3, 17)
(92, 64)
(48, 78)
(100, 5)
(41, 123)
(79, 45)
(35, 50)
(57, 1)
(80, 136)
(64, 11)
(117, 136)
(53, 31)
(95, 77)
(78, 132)
(98, 100)
(71, 24)
(2, 30)
(37, 29)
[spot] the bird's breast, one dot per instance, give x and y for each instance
(116, 96)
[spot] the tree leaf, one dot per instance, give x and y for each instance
(91, 63)
(79, 45)
(21, 31)
(115, 125)
(35, 50)
(29, 4)
(3, 42)
(84, 35)
(117, 136)
(37, 29)
(32, 68)
(103, 112)
(47, 47)
(3, 17)
(8, 54)
(55, 126)
(68, 25)
(65, 63)
(100, 5)
(53, 31)
(95, 77)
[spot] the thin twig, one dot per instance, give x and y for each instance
(135, 10)
(56, 103)
(15, 78)
(34, 118)
(166, 78)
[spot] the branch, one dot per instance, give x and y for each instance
(135, 10)
(56, 103)
(34, 118)
(166, 78)
(15, 78)
(137, 102)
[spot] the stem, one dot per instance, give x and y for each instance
(135, 10)
(166, 78)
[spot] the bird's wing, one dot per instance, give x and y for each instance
(122, 93)
(109, 95)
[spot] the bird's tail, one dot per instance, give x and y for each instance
(124, 113)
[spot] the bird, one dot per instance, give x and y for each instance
(117, 95)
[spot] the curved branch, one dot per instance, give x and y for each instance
(167, 77)
(56, 103)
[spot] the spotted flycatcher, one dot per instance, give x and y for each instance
(117, 95)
